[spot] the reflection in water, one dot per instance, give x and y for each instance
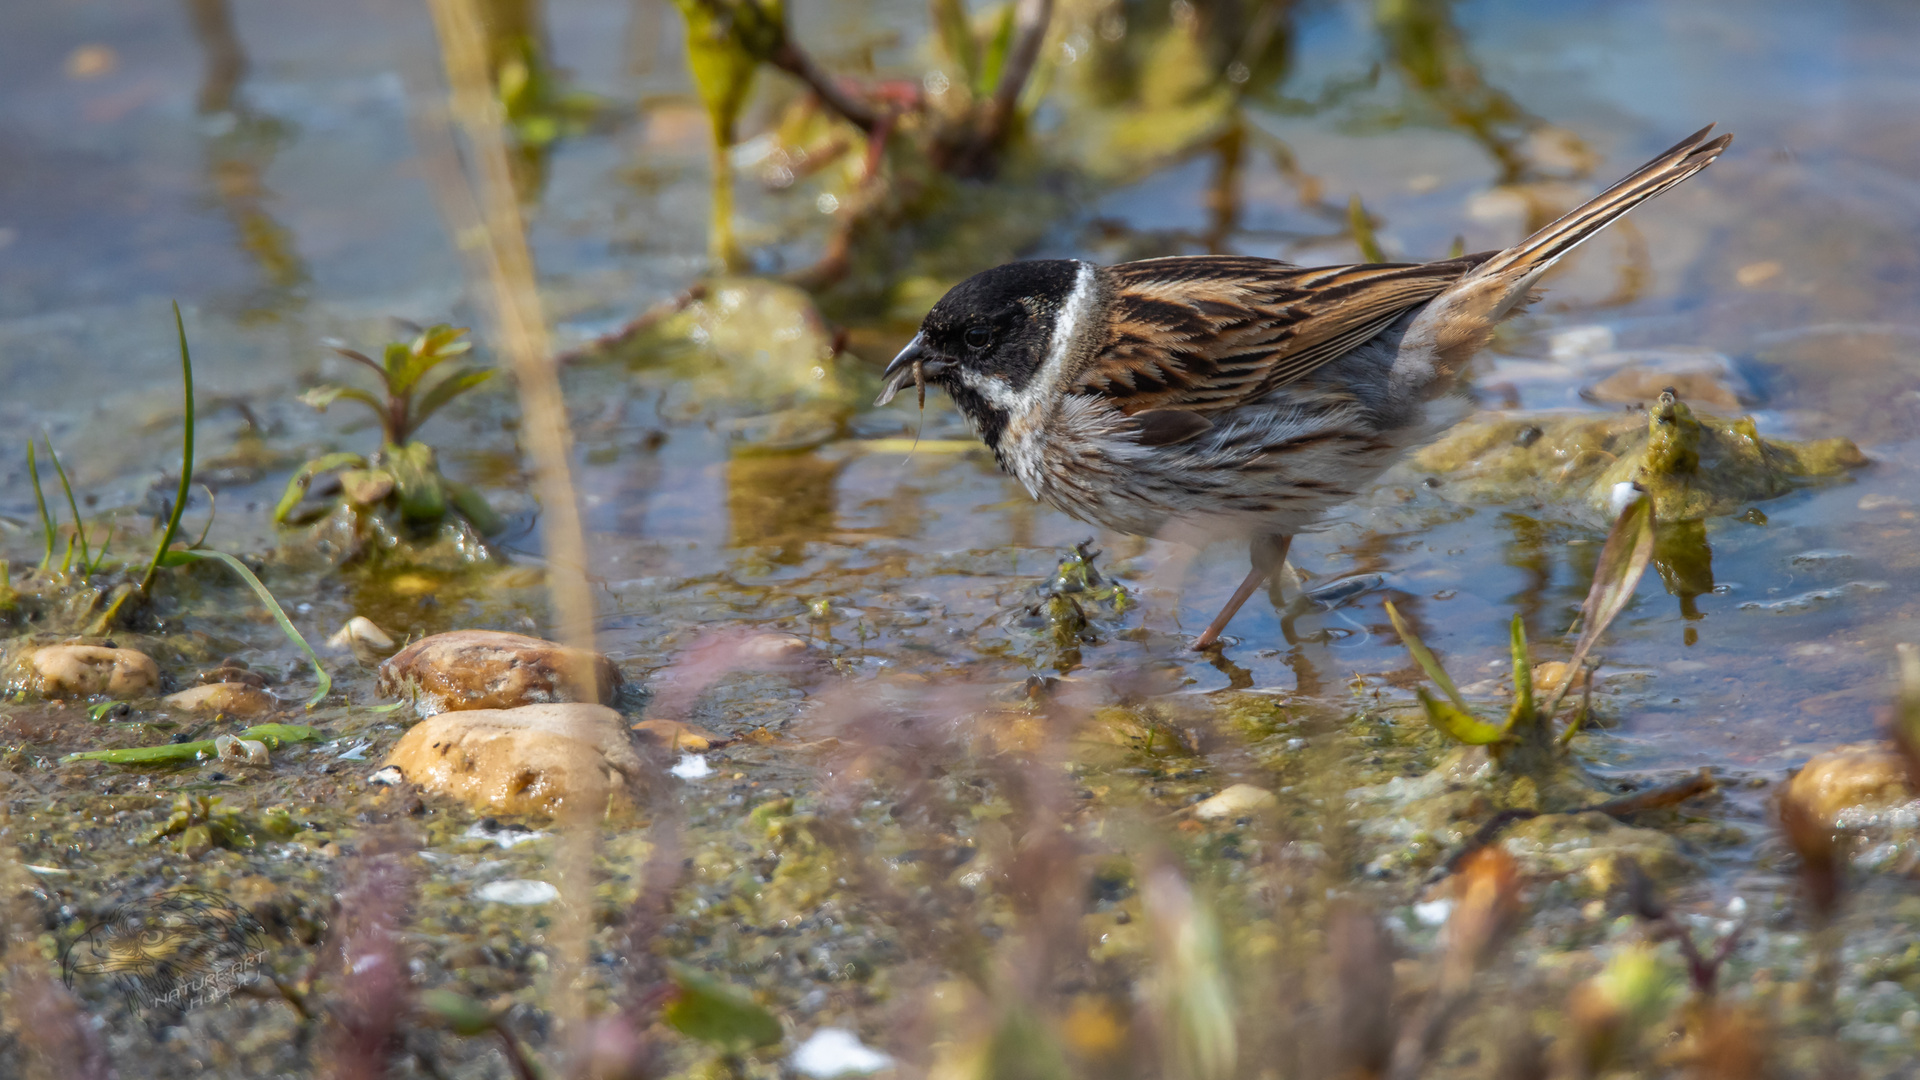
(1685, 561)
(237, 158)
(780, 500)
(1431, 56)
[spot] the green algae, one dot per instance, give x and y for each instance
(1693, 466)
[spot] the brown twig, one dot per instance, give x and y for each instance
(1623, 807)
(794, 60)
(645, 321)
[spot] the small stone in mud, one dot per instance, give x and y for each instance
(364, 638)
(78, 671)
(489, 669)
(1548, 675)
(531, 760)
(1848, 784)
(675, 735)
(227, 698)
(233, 670)
(1237, 801)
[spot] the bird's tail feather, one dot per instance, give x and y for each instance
(1455, 324)
(1543, 248)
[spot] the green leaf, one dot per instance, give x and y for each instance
(320, 397)
(473, 506)
(443, 392)
(718, 1014)
(1522, 711)
(47, 528)
(303, 479)
(273, 607)
(274, 735)
(995, 60)
(956, 38)
(458, 1011)
(1425, 659)
(186, 459)
(1623, 559)
(726, 41)
(79, 527)
(416, 479)
(1458, 724)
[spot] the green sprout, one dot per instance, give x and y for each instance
(403, 475)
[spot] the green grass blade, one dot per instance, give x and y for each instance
(175, 558)
(1425, 659)
(303, 479)
(46, 519)
(1458, 724)
(183, 753)
(73, 507)
(1522, 677)
(186, 465)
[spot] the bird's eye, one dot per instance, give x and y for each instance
(979, 337)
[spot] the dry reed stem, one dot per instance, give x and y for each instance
(498, 238)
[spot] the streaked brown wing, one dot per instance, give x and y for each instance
(1210, 332)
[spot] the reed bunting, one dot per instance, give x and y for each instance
(1233, 397)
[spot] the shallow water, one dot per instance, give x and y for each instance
(303, 212)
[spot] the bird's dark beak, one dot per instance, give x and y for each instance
(913, 365)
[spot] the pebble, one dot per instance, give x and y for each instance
(1851, 782)
(534, 759)
(78, 671)
(524, 891)
(226, 698)
(1236, 801)
(241, 751)
(387, 777)
(364, 638)
(831, 1052)
(691, 767)
(675, 735)
(489, 669)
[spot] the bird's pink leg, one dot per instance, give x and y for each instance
(1269, 555)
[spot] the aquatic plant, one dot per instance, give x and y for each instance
(1525, 734)
(403, 477)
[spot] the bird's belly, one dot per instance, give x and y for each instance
(1260, 470)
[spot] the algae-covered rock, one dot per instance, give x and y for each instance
(490, 669)
(536, 759)
(1693, 466)
(79, 671)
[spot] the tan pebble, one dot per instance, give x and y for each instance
(230, 699)
(76, 671)
(488, 669)
(772, 649)
(531, 760)
(364, 638)
(1237, 801)
(1862, 776)
(1547, 675)
(1757, 273)
(675, 735)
